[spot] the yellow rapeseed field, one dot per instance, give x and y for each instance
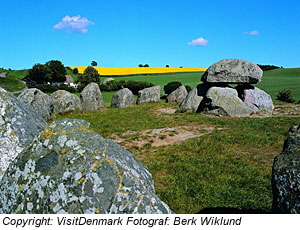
(138, 70)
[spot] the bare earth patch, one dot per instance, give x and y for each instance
(163, 136)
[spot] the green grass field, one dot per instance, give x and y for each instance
(11, 84)
(226, 168)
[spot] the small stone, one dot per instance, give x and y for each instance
(63, 101)
(177, 95)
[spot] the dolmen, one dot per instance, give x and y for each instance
(216, 96)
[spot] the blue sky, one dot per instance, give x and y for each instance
(190, 33)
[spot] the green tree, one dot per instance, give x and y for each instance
(89, 75)
(75, 71)
(146, 65)
(94, 63)
(141, 65)
(58, 71)
(39, 74)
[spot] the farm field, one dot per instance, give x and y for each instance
(108, 71)
(273, 80)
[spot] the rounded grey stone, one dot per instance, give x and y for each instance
(63, 101)
(91, 98)
(123, 98)
(149, 95)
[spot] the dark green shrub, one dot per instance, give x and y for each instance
(111, 86)
(285, 96)
(171, 86)
(135, 86)
(75, 71)
(89, 75)
(188, 88)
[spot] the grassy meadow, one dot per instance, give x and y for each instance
(229, 167)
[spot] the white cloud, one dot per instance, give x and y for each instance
(198, 42)
(75, 24)
(253, 32)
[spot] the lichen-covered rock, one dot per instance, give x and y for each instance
(63, 101)
(177, 95)
(149, 95)
(233, 71)
(123, 98)
(38, 101)
(69, 168)
(2, 90)
(255, 98)
(191, 102)
(18, 126)
(225, 101)
(286, 175)
(91, 98)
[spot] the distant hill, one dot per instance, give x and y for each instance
(268, 67)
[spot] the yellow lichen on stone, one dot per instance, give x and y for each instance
(21, 186)
(47, 134)
(63, 151)
(97, 211)
(81, 180)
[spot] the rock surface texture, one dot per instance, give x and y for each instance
(69, 168)
(177, 95)
(233, 71)
(257, 99)
(38, 101)
(149, 95)
(225, 101)
(91, 98)
(63, 101)
(123, 98)
(191, 102)
(286, 175)
(18, 126)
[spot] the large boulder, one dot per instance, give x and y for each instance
(225, 101)
(18, 126)
(193, 99)
(91, 98)
(286, 175)
(37, 101)
(177, 95)
(149, 95)
(233, 71)
(63, 101)
(255, 98)
(69, 168)
(123, 98)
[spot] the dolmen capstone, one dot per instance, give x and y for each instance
(177, 95)
(38, 101)
(149, 95)
(123, 98)
(286, 175)
(216, 96)
(64, 101)
(18, 126)
(68, 168)
(91, 98)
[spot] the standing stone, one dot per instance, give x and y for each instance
(123, 98)
(18, 126)
(63, 101)
(286, 175)
(149, 95)
(233, 71)
(225, 101)
(69, 168)
(177, 95)
(91, 98)
(255, 98)
(38, 101)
